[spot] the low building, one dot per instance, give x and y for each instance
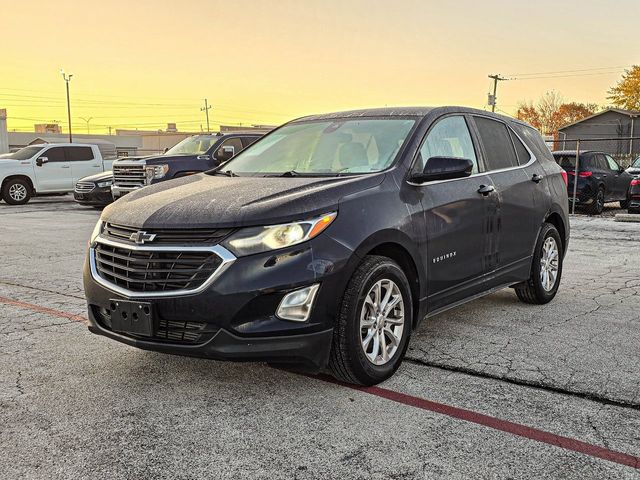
(609, 131)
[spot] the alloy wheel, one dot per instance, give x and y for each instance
(549, 264)
(18, 192)
(382, 321)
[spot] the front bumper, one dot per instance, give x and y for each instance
(97, 197)
(236, 312)
(118, 191)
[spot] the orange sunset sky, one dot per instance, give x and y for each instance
(141, 64)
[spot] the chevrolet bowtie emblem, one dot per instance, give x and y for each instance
(142, 237)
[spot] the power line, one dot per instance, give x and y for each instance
(568, 71)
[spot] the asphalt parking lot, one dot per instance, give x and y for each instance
(493, 389)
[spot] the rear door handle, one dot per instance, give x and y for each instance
(537, 178)
(486, 189)
(65, 166)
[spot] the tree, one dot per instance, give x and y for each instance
(626, 94)
(551, 113)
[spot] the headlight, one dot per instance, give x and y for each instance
(97, 230)
(261, 239)
(156, 171)
(106, 183)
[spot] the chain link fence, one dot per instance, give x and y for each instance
(624, 150)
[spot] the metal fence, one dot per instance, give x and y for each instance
(624, 150)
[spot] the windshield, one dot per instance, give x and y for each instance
(196, 145)
(636, 164)
(325, 147)
(24, 153)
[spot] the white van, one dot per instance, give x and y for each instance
(48, 168)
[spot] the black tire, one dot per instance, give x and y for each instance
(16, 191)
(624, 204)
(597, 206)
(532, 291)
(348, 361)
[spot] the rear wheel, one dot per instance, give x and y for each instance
(16, 191)
(624, 204)
(598, 203)
(374, 325)
(546, 269)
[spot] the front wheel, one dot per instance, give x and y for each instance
(16, 191)
(546, 269)
(373, 328)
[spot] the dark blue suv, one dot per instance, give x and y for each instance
(194, 154)
(329, 240)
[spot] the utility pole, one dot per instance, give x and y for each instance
(206, 109)
(87, 120)
(492, 98)
(67, 79)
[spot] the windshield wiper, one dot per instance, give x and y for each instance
(290, 173)
(226, 173)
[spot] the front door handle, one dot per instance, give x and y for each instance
(486, 189)
(65, 166)
(536, 178)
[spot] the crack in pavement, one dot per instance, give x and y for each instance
(29, 287)
(594, 397)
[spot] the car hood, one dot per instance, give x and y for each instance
(633, 170)
(155, 159)
(6, 162)
(217, 201)
(98, 177)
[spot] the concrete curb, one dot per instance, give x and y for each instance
(627, 217)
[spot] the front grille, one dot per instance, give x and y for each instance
(166, 331)
(165, 236)
(84, 187)
(129, 176)
(152, 270)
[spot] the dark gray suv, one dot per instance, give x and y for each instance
(327, 242)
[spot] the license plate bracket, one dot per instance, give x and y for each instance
(132, 317)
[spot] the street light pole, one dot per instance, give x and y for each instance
(87, 120)
(67, 79)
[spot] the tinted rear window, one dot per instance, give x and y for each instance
(568, 161)
(79, 154)
(497, 144)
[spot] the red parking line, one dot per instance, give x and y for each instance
(441, 408)
(499, 424)
(48, 311)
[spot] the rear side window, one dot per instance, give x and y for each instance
(523, 154)
(497, 144)
(612, 164)
(79, 154)
(55, 154)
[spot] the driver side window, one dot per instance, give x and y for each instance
(449, 137)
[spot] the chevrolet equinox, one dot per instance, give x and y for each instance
(325, 243)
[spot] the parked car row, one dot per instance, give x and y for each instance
(72, 167)
(598, 180)
(48, 169)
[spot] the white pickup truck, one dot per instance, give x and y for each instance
(48, 168)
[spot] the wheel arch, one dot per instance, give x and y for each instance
(19, 176)
(555, 219)
(397, 246)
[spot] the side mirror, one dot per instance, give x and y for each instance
(41, 160)
(444, 168)
(225, 153)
